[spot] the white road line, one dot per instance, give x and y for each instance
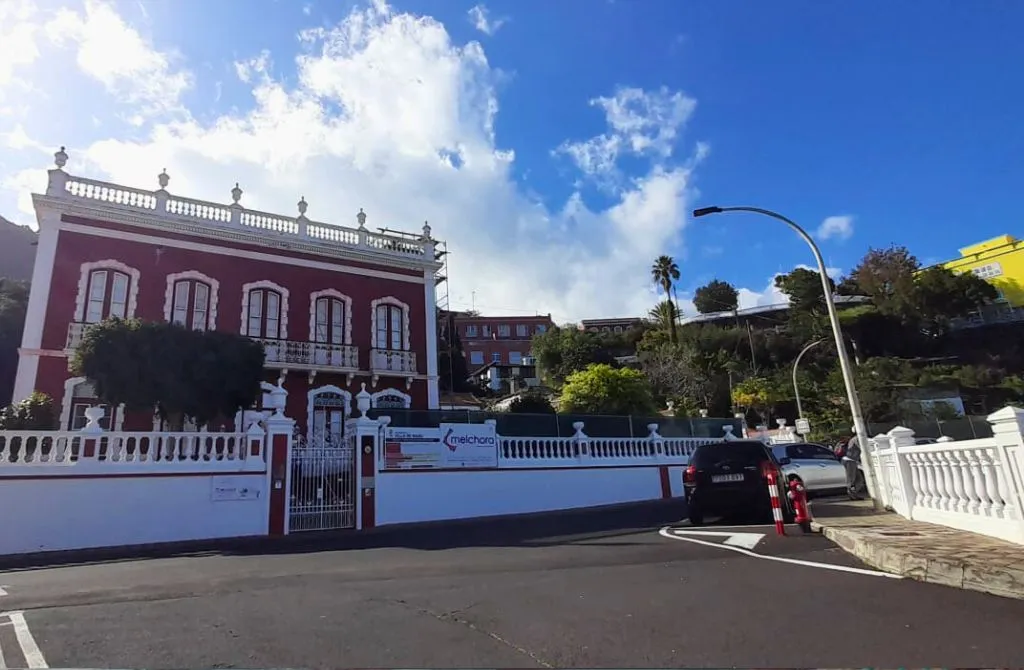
(666, 532)
(3, 592)
(3, 663)
(33, 657)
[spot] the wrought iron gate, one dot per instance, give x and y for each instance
(323, 486)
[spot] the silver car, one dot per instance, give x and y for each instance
(816, 466)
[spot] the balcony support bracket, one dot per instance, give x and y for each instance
(373, 381)
(349, 378)
(408, 383)
(312, 376)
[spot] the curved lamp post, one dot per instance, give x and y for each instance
(796, 364)
(859, 427)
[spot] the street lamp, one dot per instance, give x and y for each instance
(796, 364)
(859, 427)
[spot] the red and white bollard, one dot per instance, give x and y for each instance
(798, 494)
(771, 474)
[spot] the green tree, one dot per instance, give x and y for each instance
(35, 412)
(665, 273)
(758, 394)
(941, 296)
(887, 277)
(681, 374)
(453, 374)
(663, 315)
(531, 403)
(716, 296)
(13, 305)
(602, 389)
(561, 351)
(803, 287)
(181, 373)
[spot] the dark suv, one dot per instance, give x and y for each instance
(727, 478)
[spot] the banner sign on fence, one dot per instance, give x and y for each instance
(450, 445)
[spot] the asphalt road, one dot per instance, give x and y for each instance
(594, 589)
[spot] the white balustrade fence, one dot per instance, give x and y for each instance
(582, 450)
(70, 453)
(973, 485)
(233, 217)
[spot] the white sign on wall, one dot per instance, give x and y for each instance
(232, 488)
(450, 445)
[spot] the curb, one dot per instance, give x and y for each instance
(972, 576)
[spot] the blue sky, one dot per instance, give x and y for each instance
(557, 146)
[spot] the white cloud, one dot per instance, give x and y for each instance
(836, 227)
(384, 112)
(640, 123)
(480, 17)
(18, 46)
(117, 55)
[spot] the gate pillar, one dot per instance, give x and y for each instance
(280, 430)
(367, 450)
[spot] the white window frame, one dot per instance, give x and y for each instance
(471, 331)
(473, 358)
(193, 275)
(485, 331)
(515, 358)
(336, 295)
(395, 302)
(522, 330)
(541, 328)
(504, 330)
(988, 271)
(66, 409)
(264, 284)
(85, 272)
(496, 357)
(406, 398)
(311, 396)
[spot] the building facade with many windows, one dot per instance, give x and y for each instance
(502, 340)
(334, 307)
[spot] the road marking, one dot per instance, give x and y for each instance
(745, 540)
(3, 591)
(667, 532)
(33, 656)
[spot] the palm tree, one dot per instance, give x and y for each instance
(663, 314)
(664, 273)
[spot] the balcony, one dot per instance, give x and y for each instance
(389, 362)
(296, 354)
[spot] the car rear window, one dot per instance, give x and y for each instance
(709, 454)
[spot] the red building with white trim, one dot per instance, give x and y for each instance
(335, 307)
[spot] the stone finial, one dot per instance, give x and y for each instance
(426, 230)
(361, 218)
(703, 413)
(60, 158)
(164, 179)
(727, 433)
(236, 193)
(363, 401)
(302, 206)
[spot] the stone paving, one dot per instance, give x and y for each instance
(922, 551)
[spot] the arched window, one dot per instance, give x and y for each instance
(191, 300)
(390, 324)
(390, 399)
(265, 311)
(330, 317)
(106, 289)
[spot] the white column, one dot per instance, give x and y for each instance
(1008, 431)
(39, 296)
(430, 305)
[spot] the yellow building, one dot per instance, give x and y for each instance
(1000, 262)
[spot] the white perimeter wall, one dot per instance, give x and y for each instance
(407, 497)
(82, 512)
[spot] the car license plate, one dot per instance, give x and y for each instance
(720, 479)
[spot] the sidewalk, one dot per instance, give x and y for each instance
(922, 551)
